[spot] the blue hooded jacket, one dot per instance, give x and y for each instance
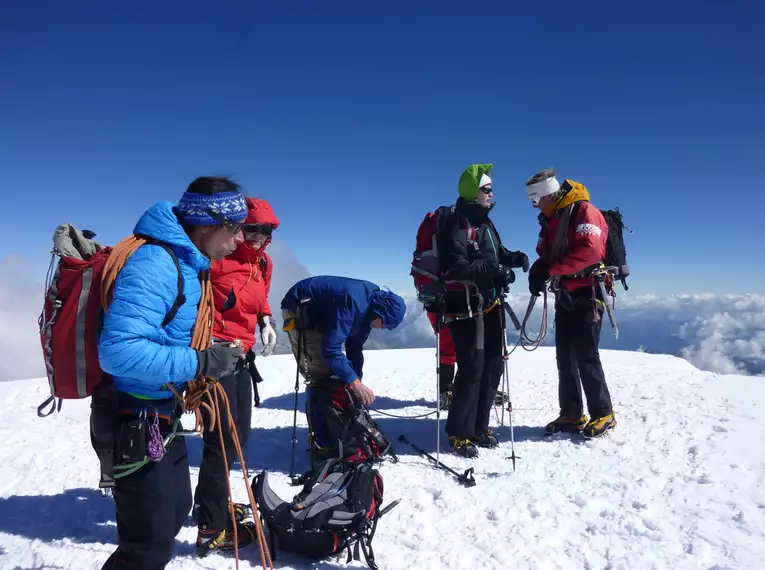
(343, 309)
(134, 348)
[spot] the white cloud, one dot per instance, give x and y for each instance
(720, 333)
(21, 300)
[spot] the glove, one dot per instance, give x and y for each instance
(268, 336)
(504, 276)
(518, 259)
(536, 284)
(218, 361)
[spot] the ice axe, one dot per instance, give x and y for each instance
(465, 479)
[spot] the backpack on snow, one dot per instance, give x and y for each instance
(337, 509)
(70, 325)
(429, 277)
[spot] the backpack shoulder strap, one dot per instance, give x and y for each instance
(180, 298)
(263, 262)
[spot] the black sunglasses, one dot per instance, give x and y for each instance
(265, 229)
(485, 189)
(233, 227)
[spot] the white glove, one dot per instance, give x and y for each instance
(268, 336)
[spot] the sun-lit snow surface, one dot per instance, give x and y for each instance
(678, 485)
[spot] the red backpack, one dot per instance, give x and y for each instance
(71, 318)
(430, 279)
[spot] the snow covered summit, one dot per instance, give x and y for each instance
(679, 484)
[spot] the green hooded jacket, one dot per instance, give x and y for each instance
(471, 177)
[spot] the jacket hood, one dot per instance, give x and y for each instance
(471, 179)
(577, 193)
(258, 212)
(161, 223)
(390, 307)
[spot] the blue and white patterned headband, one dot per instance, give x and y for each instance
(231, 205)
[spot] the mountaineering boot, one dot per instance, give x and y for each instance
(223, 539)
(566, 424)
(486, 439)
(241, 512)
(445, 400)
(598, 427)
(463, 446)
(501, 398)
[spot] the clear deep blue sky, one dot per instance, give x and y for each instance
(354, 118)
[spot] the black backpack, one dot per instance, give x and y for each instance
(616, 251)
(338, 508)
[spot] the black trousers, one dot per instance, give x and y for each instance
(152, 504)
(577, 336)
(479, 374)
(211, 494)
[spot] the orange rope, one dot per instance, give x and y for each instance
(198, 394)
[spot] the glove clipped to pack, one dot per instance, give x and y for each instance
(268, 337)
(218, 361)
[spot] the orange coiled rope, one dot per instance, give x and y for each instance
(202, 393)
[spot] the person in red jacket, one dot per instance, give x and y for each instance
(572, 243)
(241, 283)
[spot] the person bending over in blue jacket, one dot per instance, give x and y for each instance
(144, 354)
(322, 315)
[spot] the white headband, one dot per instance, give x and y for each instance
(485, 181)
(539, 190)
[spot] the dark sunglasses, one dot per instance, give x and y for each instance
(486, 189)
(265, 229)
(233, 227)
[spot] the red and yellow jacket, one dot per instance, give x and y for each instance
(586, 239)
(241, 286)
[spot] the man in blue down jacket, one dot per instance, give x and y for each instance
(143, 354)
(332, 313)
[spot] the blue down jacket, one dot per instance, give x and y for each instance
(133, 347)
(343, 309)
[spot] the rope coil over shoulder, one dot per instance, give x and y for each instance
(204, 393)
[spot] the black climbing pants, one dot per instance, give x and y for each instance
(480, 370)
(577, 336)
(211, 495)
(152, 504)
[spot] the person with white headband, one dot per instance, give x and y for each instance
(572, 242)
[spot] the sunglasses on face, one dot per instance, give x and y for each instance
(485, 189)
(265, 229)
(233, 227)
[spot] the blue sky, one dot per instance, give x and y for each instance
(355, 118)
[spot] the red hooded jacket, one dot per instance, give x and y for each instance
(586, 236)
(240, 287)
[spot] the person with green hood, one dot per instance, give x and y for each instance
(478, 271)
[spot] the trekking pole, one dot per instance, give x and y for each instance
(438, 386)
(299, 325)
(505, 355)
(466, 478)
(506, 386)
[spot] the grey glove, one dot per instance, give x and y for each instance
(219, 360)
